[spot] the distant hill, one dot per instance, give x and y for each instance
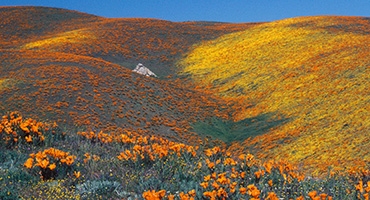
(313, 71)
(125, 41)
(23, 24)
(75, 68)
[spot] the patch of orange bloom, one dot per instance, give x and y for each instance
(17, 129)
(48, 159)
(154, 195)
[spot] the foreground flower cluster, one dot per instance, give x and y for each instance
(125, 164)
(47, 161)
(17, 130)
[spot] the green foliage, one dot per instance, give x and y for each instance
(231, 131)
(99, 188)
(52, 189)
(12, 176)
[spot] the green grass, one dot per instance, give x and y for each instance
(229, 131)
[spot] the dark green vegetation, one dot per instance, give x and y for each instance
(230, 131)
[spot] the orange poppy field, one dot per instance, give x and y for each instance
(274, 110)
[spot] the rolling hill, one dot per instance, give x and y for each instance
(155, 43)
(314, 71)
(73, 67)
(293, 93)
(294, 88)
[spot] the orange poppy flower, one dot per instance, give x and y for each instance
(29, 163)
(258, 174)
(213, 175)
(300, 198)
(323, 195)
(24, 127)
(192, 193)
(268, 166)
(52, 166)
(312, 194)
(253, 191)
(88, 157)
(28, 138)
(96, 158)
(243, 190)
(183, 196)
(215, 185)
(208, 152)
(223, 180)
(360, 186)
(366, 196)
(211, 165)
(221, 192)
(204, 184)
(171, 197)
(242, 174)
(272, 196)
(153, 195)
(43, 163)
(216, 150)
(210, 195)
(34, 128)
(367, 189)
(77, 174)
(229, 161)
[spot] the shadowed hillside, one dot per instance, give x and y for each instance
(21, 25)
(98, 95)
(312, 70)
(73, 67)
(155, 43)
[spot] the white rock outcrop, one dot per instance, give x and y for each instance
(141, 69)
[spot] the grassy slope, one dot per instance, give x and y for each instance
(20, 25)
(155, 43)
(312, 70)
(98, 95)
(64, 65)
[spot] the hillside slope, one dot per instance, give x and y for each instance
(315, 71)
(74, 68)
(96, 95)
(22, 24)
(155, 43)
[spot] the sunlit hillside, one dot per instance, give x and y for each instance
(238, 111)
(314, 71)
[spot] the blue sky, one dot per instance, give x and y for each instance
(207, 10)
